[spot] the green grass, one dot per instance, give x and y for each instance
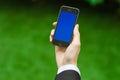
(27, 54)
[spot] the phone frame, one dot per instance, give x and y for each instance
(66, 9)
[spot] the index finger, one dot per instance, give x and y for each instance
(54, 24)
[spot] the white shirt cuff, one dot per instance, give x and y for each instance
(68, 67)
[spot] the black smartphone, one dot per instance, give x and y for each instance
(65, 26)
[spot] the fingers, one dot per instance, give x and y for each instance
(52, 31)
(54, 24)
(52, 34)
(76, 35)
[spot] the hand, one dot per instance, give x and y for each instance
(70, 54)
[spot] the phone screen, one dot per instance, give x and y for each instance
(65, 26)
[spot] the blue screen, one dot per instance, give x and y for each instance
(65, 26)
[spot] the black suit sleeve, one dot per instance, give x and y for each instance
(68, 75)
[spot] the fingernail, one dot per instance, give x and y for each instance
(53, 23)
(77, 26)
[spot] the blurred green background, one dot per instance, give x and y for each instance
(27, 54)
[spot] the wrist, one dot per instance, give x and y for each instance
(75, 64)
(66, 62)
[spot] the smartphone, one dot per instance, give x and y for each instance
(65, 26)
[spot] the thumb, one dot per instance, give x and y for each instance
(76, 35)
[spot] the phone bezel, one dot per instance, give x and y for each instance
(67, 9)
